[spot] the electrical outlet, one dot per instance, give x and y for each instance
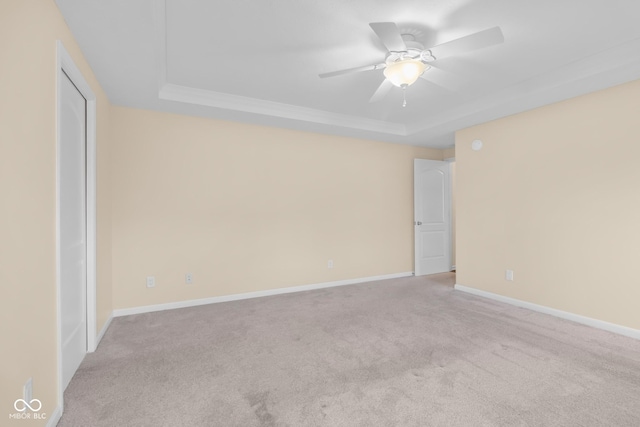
(27, 390)
(188, 278)
(509, 275)
(151, 282)
(330, 264)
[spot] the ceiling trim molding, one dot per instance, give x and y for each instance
(599, 71)
(173, 92)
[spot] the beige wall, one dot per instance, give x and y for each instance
(28, 34)
(449, 153)
(555, 196)
(247, 208)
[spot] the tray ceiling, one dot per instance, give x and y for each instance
(258, 61)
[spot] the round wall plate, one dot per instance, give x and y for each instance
(476, 145)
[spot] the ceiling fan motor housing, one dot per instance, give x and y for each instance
(415, 50)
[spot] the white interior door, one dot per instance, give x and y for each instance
(73, 229)
(432, 217)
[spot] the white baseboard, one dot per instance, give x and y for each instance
(55, 417)
(595, 323)
(103, 330)
(235, 297)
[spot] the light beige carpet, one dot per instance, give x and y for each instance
(405, 352)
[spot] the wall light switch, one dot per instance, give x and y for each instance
(509, 275)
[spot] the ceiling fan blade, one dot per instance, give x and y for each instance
(389, 35)
(382, 90)
(353, 70)
(474, 41)
(441, 78)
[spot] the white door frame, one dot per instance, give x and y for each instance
(65, 65)
(451, 160)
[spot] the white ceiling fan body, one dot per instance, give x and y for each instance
(407, 59)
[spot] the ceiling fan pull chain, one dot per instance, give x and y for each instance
(404, 96)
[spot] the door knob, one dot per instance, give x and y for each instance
(418, 223)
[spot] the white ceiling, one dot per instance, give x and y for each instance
(258, 61)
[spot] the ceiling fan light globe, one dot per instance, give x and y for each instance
(405, 72)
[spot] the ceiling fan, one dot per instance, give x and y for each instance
(407, 59)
